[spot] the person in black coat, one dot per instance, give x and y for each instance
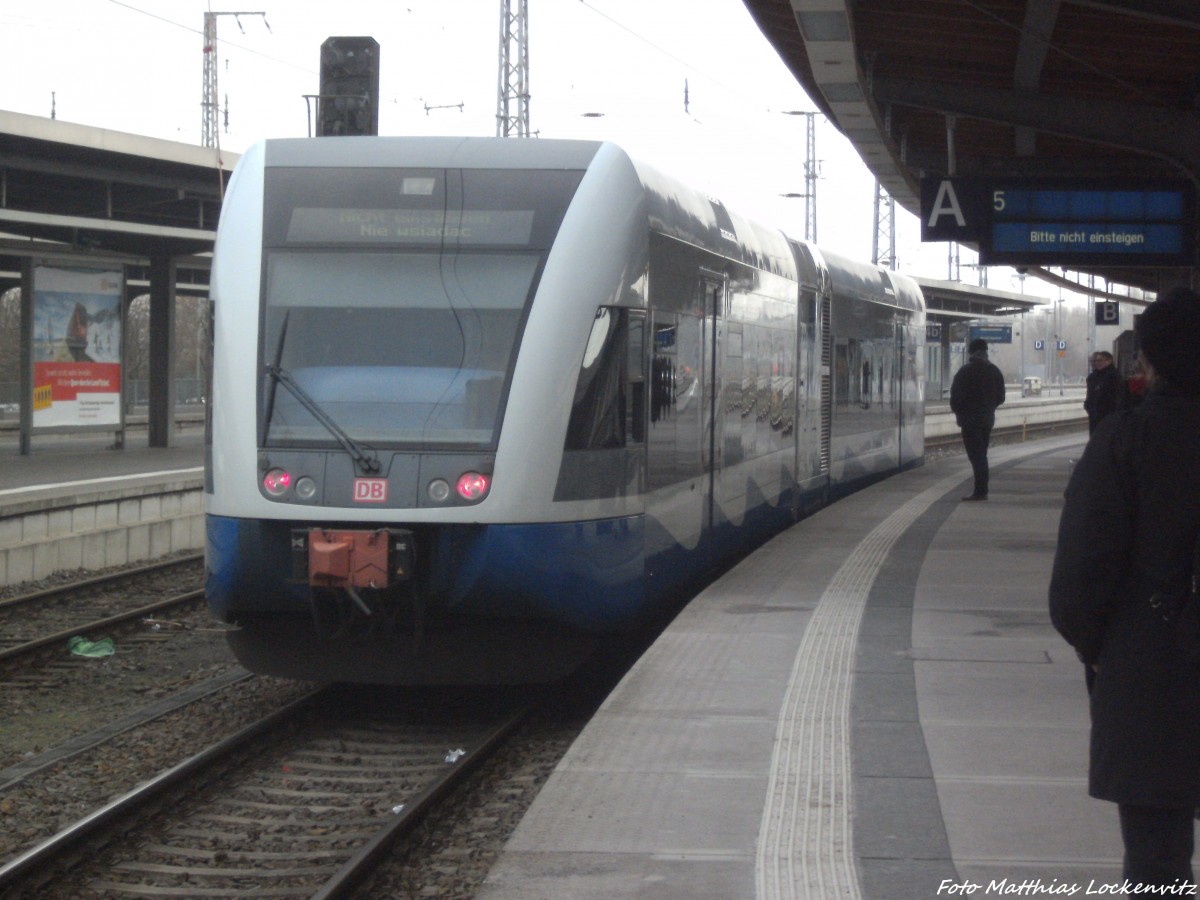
(1104, 388)
(1128, 527)
(977, 389)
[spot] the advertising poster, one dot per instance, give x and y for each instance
(76, 347)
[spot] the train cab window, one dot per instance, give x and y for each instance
(408, 349)
(395, 298)
(408, 207)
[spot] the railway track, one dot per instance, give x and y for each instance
(1010, 434)
(33, 763)
(49, 617)
(304, 803)
(116, 871)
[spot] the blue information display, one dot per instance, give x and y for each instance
(1090, 222)
(1075, 237)
(1066, 221)
(993, 334)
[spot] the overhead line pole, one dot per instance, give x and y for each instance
(812, 171)
(883, 248)
(209, 104)
(512, 94)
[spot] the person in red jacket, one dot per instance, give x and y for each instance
(1135, 387)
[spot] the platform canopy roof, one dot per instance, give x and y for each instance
(1024, 88)
(954, 300)
(70, 187)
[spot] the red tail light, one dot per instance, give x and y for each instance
(276, 482)
(473, 485)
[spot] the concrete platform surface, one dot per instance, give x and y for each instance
(873, 705)
(75, 504)
(58, 459)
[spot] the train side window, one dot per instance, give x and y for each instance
(635, 374)
(609, 405)
(662, 369)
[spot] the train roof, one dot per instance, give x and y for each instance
(864, 281)
(431, 152)
(683, 212)
(673, 207)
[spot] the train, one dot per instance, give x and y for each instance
(481, 404)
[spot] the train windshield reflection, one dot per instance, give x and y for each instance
(401, 349)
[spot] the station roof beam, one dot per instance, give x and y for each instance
(1028, 88)
(71, 188)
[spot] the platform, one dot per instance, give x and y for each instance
(873, 705)
(72, 503)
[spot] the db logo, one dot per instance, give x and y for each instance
(370, 490)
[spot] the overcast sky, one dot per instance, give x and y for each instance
(137, 66)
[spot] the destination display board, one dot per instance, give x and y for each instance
(1064, 222)
(993, 334)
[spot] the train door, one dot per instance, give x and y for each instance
(895, 386)
(825, 374)
(711, 306)
(808, 393)
(684, 451)
(677, 474)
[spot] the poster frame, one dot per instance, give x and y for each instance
(37, 302)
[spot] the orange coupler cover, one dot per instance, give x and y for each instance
(348, 558)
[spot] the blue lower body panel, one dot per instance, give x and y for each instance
(584, 575)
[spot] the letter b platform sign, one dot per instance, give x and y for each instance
(1108, 312)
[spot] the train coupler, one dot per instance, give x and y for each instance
(329, 558)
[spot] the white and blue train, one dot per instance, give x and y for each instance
(477, 401)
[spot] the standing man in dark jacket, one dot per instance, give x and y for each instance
(977, 389)
(1104, 388)
(1129, 524)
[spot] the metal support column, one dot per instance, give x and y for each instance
(162, 352)
(811, 173)
(209, 106)
(208, 87)
(26, 414)
(883, 247)
(512, 95)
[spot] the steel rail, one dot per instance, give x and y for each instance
(355, 869)
(26, 768)
(43, 854)
(38, 643)
(97, 581)
(951, 440)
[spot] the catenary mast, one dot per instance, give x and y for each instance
(512, 95)
(209, 104)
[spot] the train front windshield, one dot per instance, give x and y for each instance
(394, 299)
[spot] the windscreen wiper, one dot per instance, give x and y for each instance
(368, 463)
(270, 399)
